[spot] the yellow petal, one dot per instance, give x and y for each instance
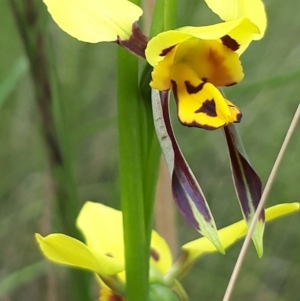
(233, 9)
(102, 228)
(161, 256)
(95, 20)
(241, 30)
(107, 294)
(161, 74)
(161, 44)
(232, 233)
(187, 67)
(66, 250)
(210, 60)
(199, 103)
(234, 111)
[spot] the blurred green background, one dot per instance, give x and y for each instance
(83, 81)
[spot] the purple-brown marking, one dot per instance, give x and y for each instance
(184, 185)
(175, 90)
(192, 89)
(198, 125)
(231, 84)
(238, 115)
(230, 43)
(166, 50)
(136, 43)
(154, 254)
(208, 107)
(115, 297)
(245, 178)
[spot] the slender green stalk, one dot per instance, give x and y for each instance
(131, 177)
(164, 16)
(139, 160)
(170, 14)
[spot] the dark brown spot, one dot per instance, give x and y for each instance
(154, 254)
(174, 88)
(230, 43)
(109, 255)
(192, 89)
(239, 117)
(198, 125)
(232, 84)
(167, 50)
(208, 107)
(136, 43)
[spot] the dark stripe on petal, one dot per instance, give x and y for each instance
(208, 107)
(183, 182)
(154, 254)
(181, 200)
(192, 89)
(175, 91)
(247, 183)
(136, 43)
(197, 125)
(166, 51)
(230, 43)
(232, 84)
(239, 117)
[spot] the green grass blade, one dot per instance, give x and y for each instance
(11, 80)
(21, 277)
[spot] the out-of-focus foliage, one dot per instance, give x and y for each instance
(86, 76)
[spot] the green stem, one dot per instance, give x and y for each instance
(131, 177)
(164, 16)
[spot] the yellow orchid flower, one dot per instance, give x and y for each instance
(103, 252)
(194, 61)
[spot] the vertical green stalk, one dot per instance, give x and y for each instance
(164, 16)
(139, 160)
(131, 177)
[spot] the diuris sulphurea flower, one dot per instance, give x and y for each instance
(103, 250)
(195, 61)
